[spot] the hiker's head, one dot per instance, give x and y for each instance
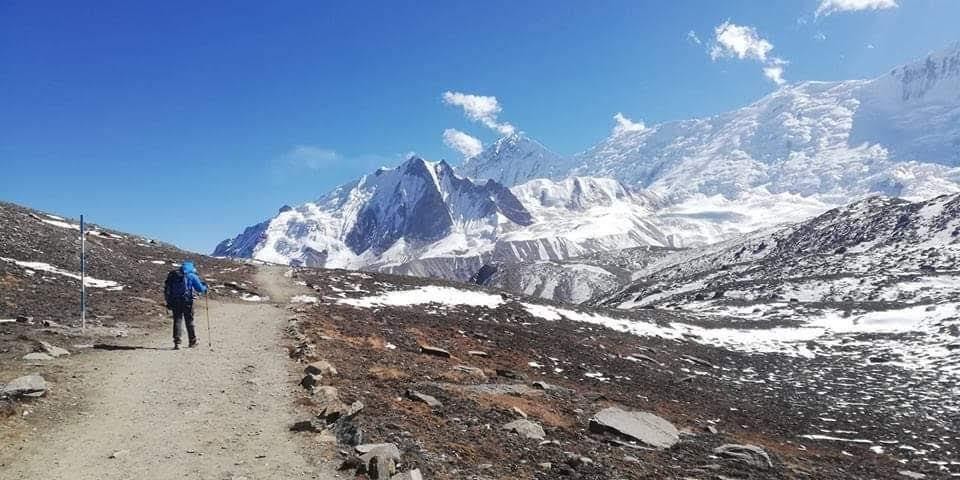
(188, 267)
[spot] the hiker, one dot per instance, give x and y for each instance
(178, 291)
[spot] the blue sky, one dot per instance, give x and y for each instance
(187, 121)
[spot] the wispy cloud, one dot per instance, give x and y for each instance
(625, 125)
(310, 157)
(829, 7)
(693, 38)
(819, 36)
(738, 41)
(743, 42)
(467, 145)
(775, 74)
(480, 108)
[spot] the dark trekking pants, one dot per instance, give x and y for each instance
(183, 314)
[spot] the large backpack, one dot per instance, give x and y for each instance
(177, 289)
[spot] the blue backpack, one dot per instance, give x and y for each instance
(177, 289)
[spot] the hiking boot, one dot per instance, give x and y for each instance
(193, 344)
(176, 346)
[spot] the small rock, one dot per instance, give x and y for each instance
(381, 462)
(25, 320)
(526, 428)
(909, 474)
(368, 447)
(37, 356)
(472, 371)
(643, 426)
(310, 381)
(118, 453)
(502, 372)
(320, 368)
(435, 351)
(631, 459)
(411, 475)
(432, 402)
(749, 454)
(7, 408)
(52, 350)
(371, 450)
(30, 386)
(477, 353)
(545, 466)
(712, 429)
(519, 412)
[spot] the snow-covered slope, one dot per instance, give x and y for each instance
(880, 265)
(513, 160)
(896, 135)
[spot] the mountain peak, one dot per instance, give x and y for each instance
(512, 160)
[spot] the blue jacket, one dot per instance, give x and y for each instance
(190, 271)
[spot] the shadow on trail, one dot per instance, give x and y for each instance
(107, 346)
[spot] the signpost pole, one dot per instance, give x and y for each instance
(83, 276)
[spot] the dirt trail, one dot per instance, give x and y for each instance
(194, 413)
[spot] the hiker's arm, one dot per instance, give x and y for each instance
(198, 284)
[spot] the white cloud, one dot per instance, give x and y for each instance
(819, 36)
(625, 125)
(309, 156)
(479, 108)
(693, 38)
(744, 43)
(870, 46)
(739, 41)
(828, 7)
(774, 73)
(467, 145)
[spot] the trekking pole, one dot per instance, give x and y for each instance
(206, 304)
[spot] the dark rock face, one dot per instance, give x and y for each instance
(243, 245)
(411, 208)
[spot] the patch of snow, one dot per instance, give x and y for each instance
(304, 299)
(427, 294)
(46, 267)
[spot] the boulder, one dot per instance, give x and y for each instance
(644, 427)
(320, 368)
(422, 397)
(30, 386)
(52, 350)
(749, 454)
(526, 428)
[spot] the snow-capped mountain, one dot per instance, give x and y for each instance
(896, 135)
(419, 209)
(790, 156)
(422, 219)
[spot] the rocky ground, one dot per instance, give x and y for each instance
(404, 378)
(40, 284)
(444, 372)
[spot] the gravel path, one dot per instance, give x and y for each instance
(155, 413)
